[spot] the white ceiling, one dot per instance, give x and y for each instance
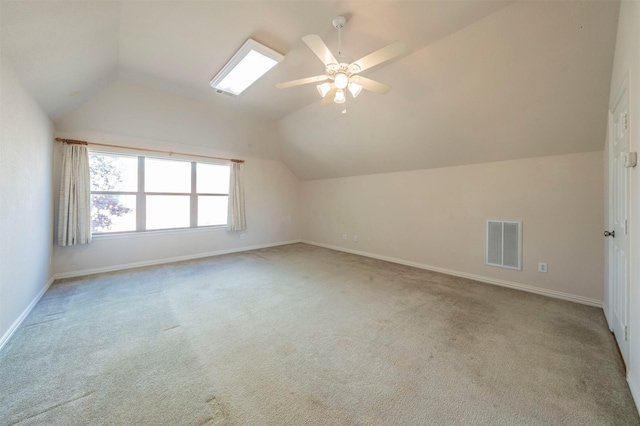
(481, 80)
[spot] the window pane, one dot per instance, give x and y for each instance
(113, 213)
(167, 176)
(167, 211)
(212, 179)
(113, 172)
(212, 210)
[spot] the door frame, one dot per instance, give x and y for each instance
(623, 90)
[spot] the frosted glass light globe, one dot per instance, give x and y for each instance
(323, 89)
(341, 80)
(355, 89)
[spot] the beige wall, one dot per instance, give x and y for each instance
(437, 218)
(133, 111)
(627, 63)
(271, 193)
(25, 205)
(135, 116)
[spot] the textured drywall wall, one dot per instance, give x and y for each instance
(437, 217)
(26, 141)
(271, 190)
(135, 111)
(271, 194)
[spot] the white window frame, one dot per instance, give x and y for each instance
(140, 209)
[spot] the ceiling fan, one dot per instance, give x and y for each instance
(340, 76)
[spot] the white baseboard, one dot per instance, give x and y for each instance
(5, 338)
(635, 390)
(488, 280)
(607, 318)
(125, 266)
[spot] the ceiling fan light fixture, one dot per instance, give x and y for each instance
(341, 80)
(342, 73)
(355, 89)
(323, 89)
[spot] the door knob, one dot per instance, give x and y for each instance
(610, 234)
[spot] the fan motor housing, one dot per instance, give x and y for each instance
(339, 21)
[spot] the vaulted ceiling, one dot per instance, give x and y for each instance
(481, 80)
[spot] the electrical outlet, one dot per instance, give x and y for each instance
(542, 267)
(344, 236)
(355, 238)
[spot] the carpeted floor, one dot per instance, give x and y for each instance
(303, 335)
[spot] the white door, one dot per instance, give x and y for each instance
(618, 223)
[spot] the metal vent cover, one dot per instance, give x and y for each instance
(504, 244)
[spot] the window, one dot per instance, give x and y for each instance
(135, 193)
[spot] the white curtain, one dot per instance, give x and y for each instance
(236, 220)
(74, 220)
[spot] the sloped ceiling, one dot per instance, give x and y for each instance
(530, 80)
(64, 52)
(481, 80)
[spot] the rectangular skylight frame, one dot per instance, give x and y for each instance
(233, 86)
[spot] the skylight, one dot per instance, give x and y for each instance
(249, 63)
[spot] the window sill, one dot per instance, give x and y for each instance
(125, 235)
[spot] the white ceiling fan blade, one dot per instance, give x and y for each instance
(373, 86)
(328, 98)
(321, 50)
(307, 80)
(381, 55)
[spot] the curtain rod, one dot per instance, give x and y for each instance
(75, 142)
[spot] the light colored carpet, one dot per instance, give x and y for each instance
(303, 335)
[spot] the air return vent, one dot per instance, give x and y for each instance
(504, 244)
